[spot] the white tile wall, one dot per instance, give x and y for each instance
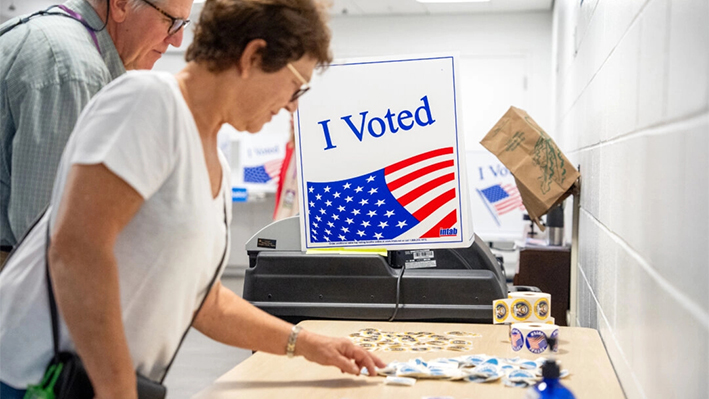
(632, 107)
(688, 57)
(654, 46)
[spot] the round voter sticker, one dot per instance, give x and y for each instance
(536, 341)
(541, 308)
(501, 312)
(520, 309)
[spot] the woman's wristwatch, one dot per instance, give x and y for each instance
(290, 348)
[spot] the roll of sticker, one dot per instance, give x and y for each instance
(532, 337)
(523, 307)
(540, 301)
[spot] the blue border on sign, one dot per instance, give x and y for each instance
(457, 153)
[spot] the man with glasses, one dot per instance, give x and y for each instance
(51, 64)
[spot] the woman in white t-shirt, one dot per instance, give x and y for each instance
(141, 205)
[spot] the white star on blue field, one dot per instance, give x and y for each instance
(357, 209)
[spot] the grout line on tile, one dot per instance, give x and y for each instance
(666, 127)
(590, 21)
(666, 77)
(635, 20)
(638, 385)
(594, 295)
(687, 303)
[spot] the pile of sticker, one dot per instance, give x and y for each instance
(514, 372)
(372, 339)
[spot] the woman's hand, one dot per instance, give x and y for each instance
(338, 352)
(229, 319)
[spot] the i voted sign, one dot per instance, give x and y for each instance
(380, 156)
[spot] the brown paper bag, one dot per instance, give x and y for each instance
(544, 176)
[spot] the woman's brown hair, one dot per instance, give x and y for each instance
(291, 29)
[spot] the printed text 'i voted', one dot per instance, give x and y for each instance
(378, 126)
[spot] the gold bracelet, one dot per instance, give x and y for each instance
(290, 348)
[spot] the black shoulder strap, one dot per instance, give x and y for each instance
(52, 303)
(24, 236)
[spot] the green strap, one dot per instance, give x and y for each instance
(55, 377)
(45, 389)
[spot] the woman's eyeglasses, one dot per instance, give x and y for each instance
(177, 23)
(304, 83)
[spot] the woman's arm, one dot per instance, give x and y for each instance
(95, 207)
(227, 318)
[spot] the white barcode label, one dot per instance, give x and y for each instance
(424, 254)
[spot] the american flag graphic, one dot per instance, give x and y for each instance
(416, 196)
(516, 339)
(270, 171)
(503, 199)
(536, 341)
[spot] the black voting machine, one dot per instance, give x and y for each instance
(444, 285)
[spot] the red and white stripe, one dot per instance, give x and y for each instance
(425, 185)
(510, 203)
(273, 169)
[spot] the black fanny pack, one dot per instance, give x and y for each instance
(66, 378)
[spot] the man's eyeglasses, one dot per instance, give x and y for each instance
(177, 23)
(304, 83)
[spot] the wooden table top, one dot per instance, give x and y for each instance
(265, 376)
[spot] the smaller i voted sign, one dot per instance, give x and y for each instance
(380, 159)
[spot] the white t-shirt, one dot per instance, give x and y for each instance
(139, 127)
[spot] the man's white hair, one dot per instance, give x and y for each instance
(135, 4)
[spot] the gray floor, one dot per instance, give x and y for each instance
(201, 360)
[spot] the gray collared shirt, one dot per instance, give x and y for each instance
(49, 70)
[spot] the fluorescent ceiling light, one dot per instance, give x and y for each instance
(453, 1)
